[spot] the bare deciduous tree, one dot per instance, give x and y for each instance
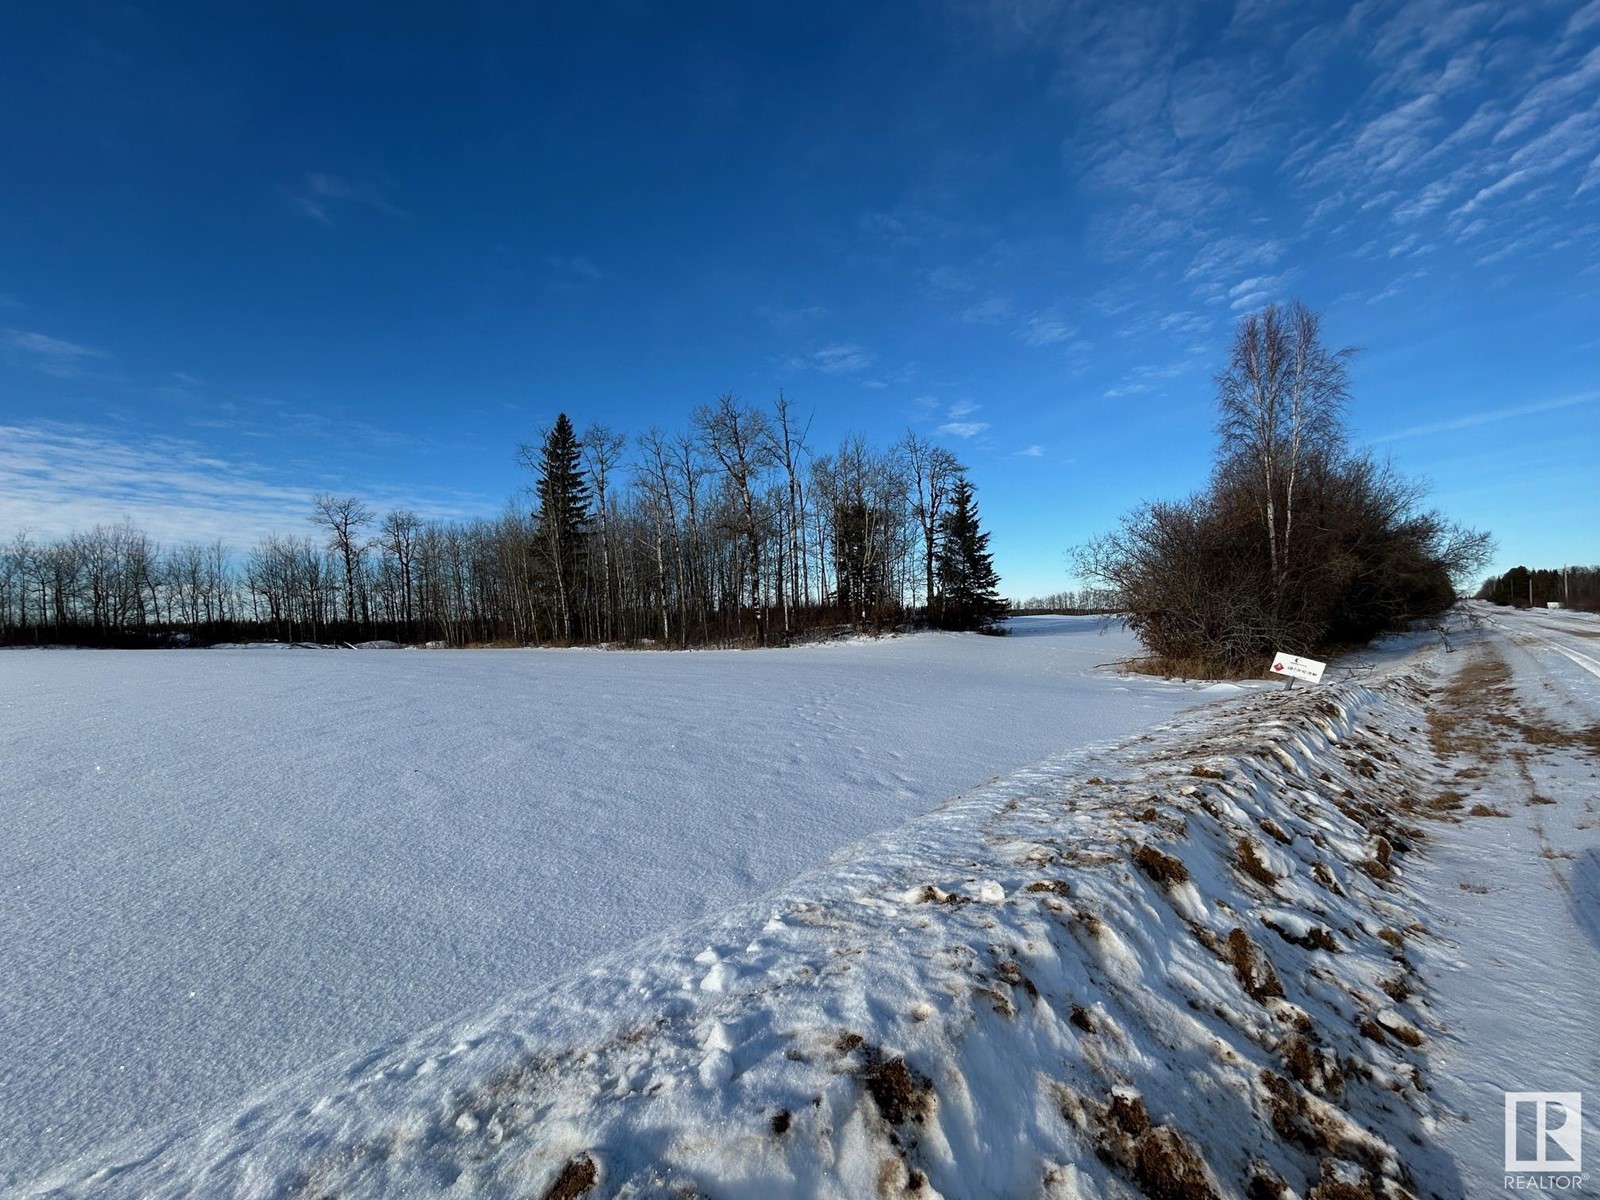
(1280, 399)
(344, 517)
(740, 439)
(933, 470)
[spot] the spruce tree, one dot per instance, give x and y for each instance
(563, 512)
(965, 572)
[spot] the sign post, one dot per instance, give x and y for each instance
(1292, 667)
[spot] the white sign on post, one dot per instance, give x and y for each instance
(1296, 667)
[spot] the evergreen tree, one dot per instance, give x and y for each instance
(965, 572)
(563, 512)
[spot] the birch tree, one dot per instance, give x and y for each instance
(1280, 399)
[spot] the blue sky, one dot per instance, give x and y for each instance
(251, 252)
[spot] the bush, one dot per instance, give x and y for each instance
(1298, 544)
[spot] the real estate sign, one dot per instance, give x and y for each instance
(1296, 667)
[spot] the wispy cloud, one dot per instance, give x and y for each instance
(989, 311)
(1490, 417)
(963, 429)
(841, 358)
(1030, 452)
(1255, 292)
(781, 316)
(909, 225)
(58, 478)
(318, 196)
(51, 356)
(578, 266)
(1046, 328)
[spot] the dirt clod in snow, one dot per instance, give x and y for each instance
(1314, 938)
(1275, 831)
(900, 1093)
(1255, 974)
(1161, 1161)
(933, 895)
(1057, 886)
(576, 1178)
(1163, 868)
(1265, 1184)
(1250, 864)
(1312, 1066)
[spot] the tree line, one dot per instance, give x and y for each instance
(1299, 543)
(733, 532)
(1571, 587)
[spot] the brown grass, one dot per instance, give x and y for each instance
(1056, 886)
(1275, 831)
(1249, 863)
(1252, 969)
(1194, 667)
(1162, 868)
(1161, 1161)
(1475, 712)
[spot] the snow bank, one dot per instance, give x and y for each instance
(1178, 966)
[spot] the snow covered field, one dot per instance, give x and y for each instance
(1297, 946)
(221, 867)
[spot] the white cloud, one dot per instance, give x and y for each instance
(1045, 328)
(782, 317)
(987, 312)
(579, 265)
(1031, 452)
(318, 195)
(52, 356)
(60, 478)
(49, 347)
(1490, 417)
(963, 429)
(843, 358)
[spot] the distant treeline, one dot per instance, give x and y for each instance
(1087, 602)
(732, 532)
(1573, 587)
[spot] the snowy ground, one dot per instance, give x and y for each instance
(1293, 946)
(221, 867)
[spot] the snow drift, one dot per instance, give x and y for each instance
(1178, 967)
